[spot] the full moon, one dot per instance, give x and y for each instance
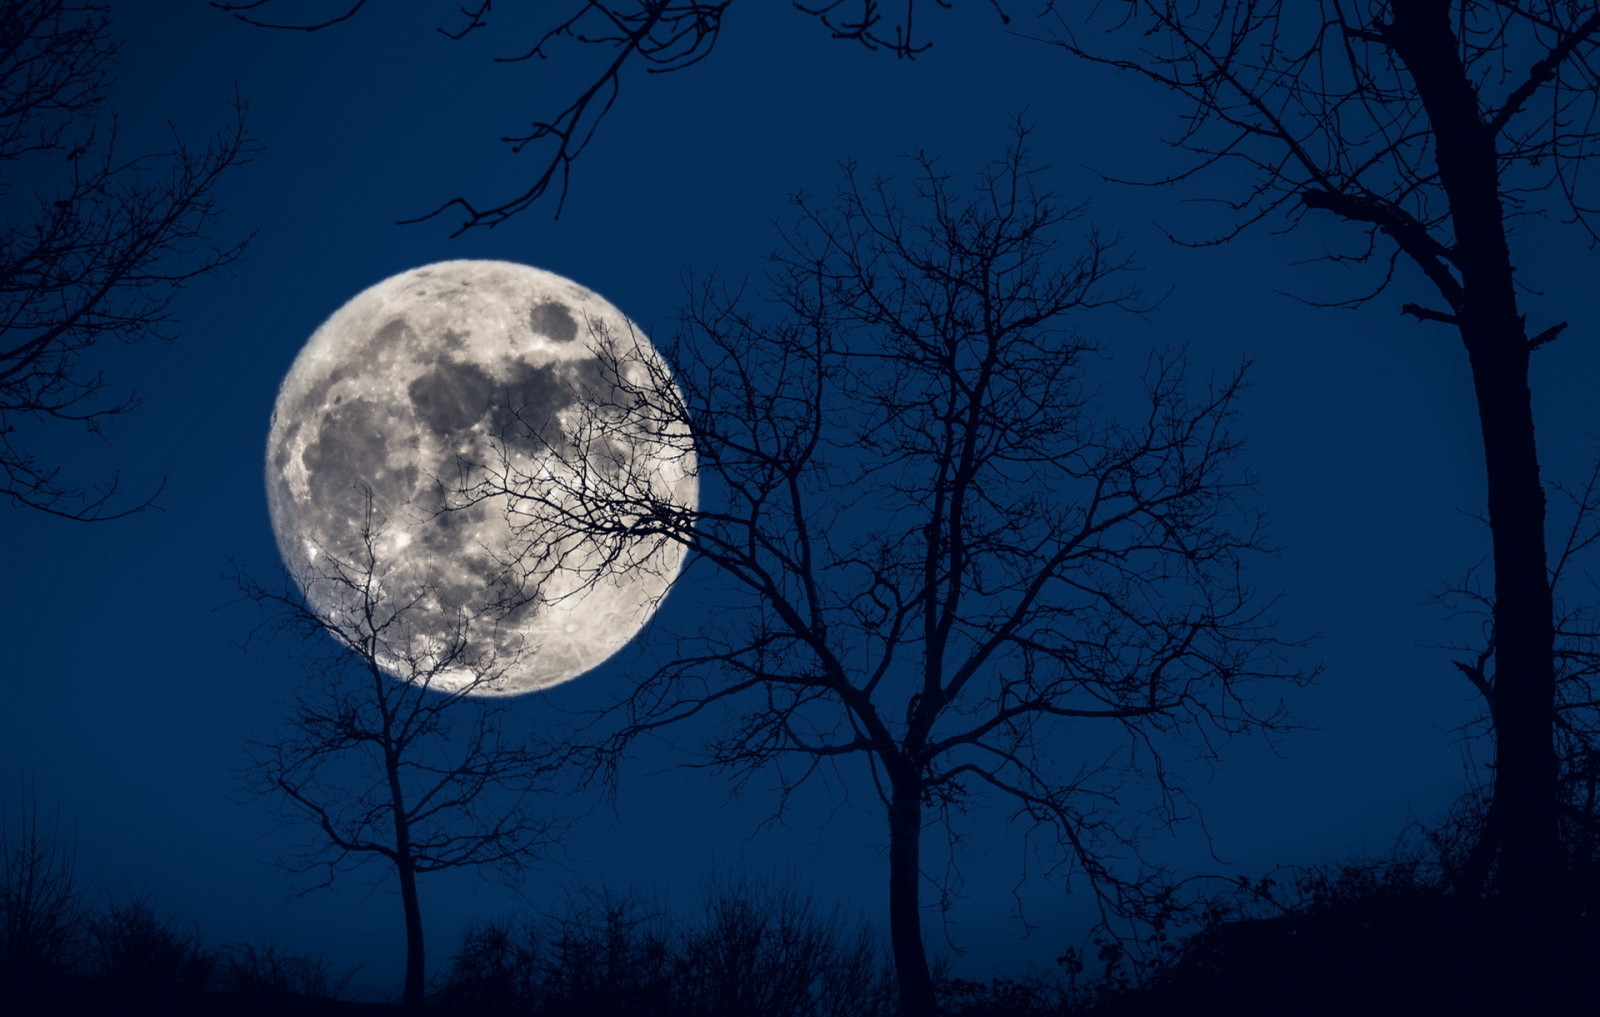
(428, 442)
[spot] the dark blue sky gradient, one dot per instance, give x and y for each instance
(129, 702)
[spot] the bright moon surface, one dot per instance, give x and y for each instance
(432, 381)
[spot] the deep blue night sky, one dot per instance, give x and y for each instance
(128, 700)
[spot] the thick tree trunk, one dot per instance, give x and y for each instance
(1522, 833)
(905, 900)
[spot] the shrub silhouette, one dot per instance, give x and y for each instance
(609, 955)
(761, 950)
(1002, 997)
(41, 906)
(496, 971)
(1386, 936)
(246, 971)
(754, 950)
(145, 962)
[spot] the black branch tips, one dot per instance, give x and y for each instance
(622, 39)
(1421, 313)
(241, 9)
(1549, 335)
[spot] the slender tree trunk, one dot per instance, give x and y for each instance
(405, 867)
(415, 987)
(905, 900)
(1522, 831)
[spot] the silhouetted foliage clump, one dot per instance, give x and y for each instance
(41, 905)
(1393, 935)
(1003, 997)
(148, 960)
(1385, 936)
(266, 975)
(59, 955)
(754, 951)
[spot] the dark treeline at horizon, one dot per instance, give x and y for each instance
(1380, 935)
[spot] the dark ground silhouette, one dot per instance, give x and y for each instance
(1379, 937)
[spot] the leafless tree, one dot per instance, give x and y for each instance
(630, 36)
(407, 771)
(947, 569)
(1427, 126)
(97, 254)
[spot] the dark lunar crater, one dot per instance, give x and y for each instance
(315, 396)
(350, 452)
(452, 397)
(553, 321)
(527, 403)
(395, 331)
(524, 415)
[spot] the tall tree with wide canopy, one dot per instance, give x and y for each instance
(1425, 125)
(939, 564)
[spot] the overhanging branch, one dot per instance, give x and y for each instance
(1411, 235)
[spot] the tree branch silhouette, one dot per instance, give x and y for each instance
(99, 258)
(632, 36)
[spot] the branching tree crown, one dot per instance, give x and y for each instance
(406, 772)
(948, 568)
(97, 257)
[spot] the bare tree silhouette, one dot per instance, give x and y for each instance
(943, 559)
(404, 771)
(98, 254)
(1426, 125)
